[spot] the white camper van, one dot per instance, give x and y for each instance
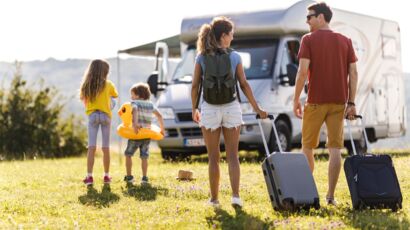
(268, 42)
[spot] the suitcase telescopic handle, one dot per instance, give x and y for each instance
(272, 119)
(364, 133)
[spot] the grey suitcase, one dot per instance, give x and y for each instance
(288, 178)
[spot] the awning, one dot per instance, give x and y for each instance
(149, 48)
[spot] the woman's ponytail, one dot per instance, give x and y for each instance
(206, 43)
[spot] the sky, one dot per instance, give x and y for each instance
(63, 29)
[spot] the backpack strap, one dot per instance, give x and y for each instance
(199, 93)
(230, 50)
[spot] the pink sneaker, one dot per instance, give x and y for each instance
(107, 179)
(88, 180)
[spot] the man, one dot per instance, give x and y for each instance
(328, 61)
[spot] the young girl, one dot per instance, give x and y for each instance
(96, 92)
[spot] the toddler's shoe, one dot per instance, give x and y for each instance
(88, 180)
(129, 179)
(107, 179)
(144, 180)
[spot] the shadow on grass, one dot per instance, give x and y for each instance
(376, 219)
(99, 200)
(241, 220)
(145, 192)
(365, 219)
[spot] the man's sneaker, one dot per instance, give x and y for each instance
(107, 179)
(331, 201)
(214, 203)
(144, 180)
(236, 202)
(129, 179)
(88, 180)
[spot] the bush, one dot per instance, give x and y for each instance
(31, 124)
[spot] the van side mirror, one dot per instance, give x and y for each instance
(153, 83)
(292, 70)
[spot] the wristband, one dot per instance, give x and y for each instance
(351, 103)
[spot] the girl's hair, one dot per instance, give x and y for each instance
(141, 90)
(94, 79)
(210, 34)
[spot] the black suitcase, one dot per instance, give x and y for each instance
(288, 178)
(371, 178)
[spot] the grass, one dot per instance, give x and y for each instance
(49, 194)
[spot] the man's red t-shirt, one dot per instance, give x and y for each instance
(330, 55)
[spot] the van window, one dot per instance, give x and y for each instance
(289, 56)
(389, 47)
(257, 57)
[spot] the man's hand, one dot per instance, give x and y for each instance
(350, 112)
(297, 109)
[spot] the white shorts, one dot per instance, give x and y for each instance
(215, 116)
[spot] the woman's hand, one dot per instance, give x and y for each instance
(262, 113)
(196, 116)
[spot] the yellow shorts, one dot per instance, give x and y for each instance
(313, 117)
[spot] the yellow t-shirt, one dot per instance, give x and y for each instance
(102, 101)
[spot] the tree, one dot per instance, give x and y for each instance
(31, 123)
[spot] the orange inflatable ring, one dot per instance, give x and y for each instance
(125, 129)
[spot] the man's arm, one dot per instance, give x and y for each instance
(353, 78)
(300, 83)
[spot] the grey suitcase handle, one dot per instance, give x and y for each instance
(364, 133)
(272, 119)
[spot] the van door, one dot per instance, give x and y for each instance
(288, 62)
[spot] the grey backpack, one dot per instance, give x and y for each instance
(219, 83)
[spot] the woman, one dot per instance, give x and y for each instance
(215, 38)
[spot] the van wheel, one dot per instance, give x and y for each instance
(285, 138)
(169, 155)
(174, 156)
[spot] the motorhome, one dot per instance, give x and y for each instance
(268, 42)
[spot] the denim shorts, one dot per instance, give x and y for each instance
(227, 115)
(96, 120)
(133, 145)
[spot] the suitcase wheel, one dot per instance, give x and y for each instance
(395, 207)
(288, 204)
(316, 204)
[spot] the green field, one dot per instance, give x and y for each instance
(49, 194)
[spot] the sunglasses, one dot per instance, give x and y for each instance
(311, 15)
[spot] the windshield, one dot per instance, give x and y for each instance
(185, 69)
(257, 60)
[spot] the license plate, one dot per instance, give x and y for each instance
(194, 142)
